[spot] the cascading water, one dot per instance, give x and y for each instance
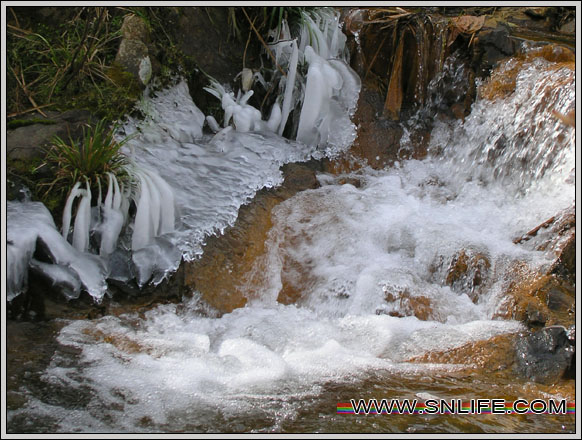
(365, 267)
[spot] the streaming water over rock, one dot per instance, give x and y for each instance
(354, 282)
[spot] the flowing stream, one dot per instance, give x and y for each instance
(363, 264)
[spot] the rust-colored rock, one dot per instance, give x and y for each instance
(529, 296)
(503, 79)
(378, 139)
(409, 305)
(491, 355)
(224, 275)
(468, 273)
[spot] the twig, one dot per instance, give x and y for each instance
(22, 84)
(263, 42)
(33, 109)
(247, 46)
(266, 95)
(15, 17)
(375, 56)
(534, 231)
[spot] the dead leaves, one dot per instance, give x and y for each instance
(466, 24)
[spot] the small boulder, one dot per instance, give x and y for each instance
(545, 356)
(468, 273)
(133, 53)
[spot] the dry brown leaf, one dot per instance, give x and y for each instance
(468, 24)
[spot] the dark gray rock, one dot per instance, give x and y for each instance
(130, 55)
(556, 299)
(546, 355)
(31, 141)
(492, 46)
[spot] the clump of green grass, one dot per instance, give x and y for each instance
(90, 159)
(51, 66)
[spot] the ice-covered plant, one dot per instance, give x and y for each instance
(91, 159)
(89, 167)
(312, 77)
(244, 116)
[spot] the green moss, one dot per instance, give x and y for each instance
(16, 123)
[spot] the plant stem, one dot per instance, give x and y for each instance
(263, 42)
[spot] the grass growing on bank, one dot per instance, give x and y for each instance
(67, 63)
(90, 159)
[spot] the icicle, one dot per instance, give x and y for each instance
(125, 200)
(110, 230)
(289, 86)
(155, 204)
(246, 97)
(83, 222)
(142, 228)
(67, 212)
(351, 85)
(108, 203)
(304, 36)
(113, 219)
(99, 199)
(167, 209)
(258, 77)
(212, 123)
(116, 194)
(322, 79)
(333, 46)
(275, 118)
(228, 105)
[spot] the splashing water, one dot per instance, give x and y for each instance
(354, 258)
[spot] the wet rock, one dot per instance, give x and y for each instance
(378, 139)
(492, 355)
(491, 46)
(394, 95)
(31, 141)
(537, 299)
(569, 28)
(405, 304)
(555, 289)
(545, 356)
(565, 265)
(468, 273)
(225, 274)
(557, 299)
(29, 350)
(502, 81)
(537, 13)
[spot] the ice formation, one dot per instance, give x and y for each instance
(186, 186)
(325, 96)
(29, 222)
